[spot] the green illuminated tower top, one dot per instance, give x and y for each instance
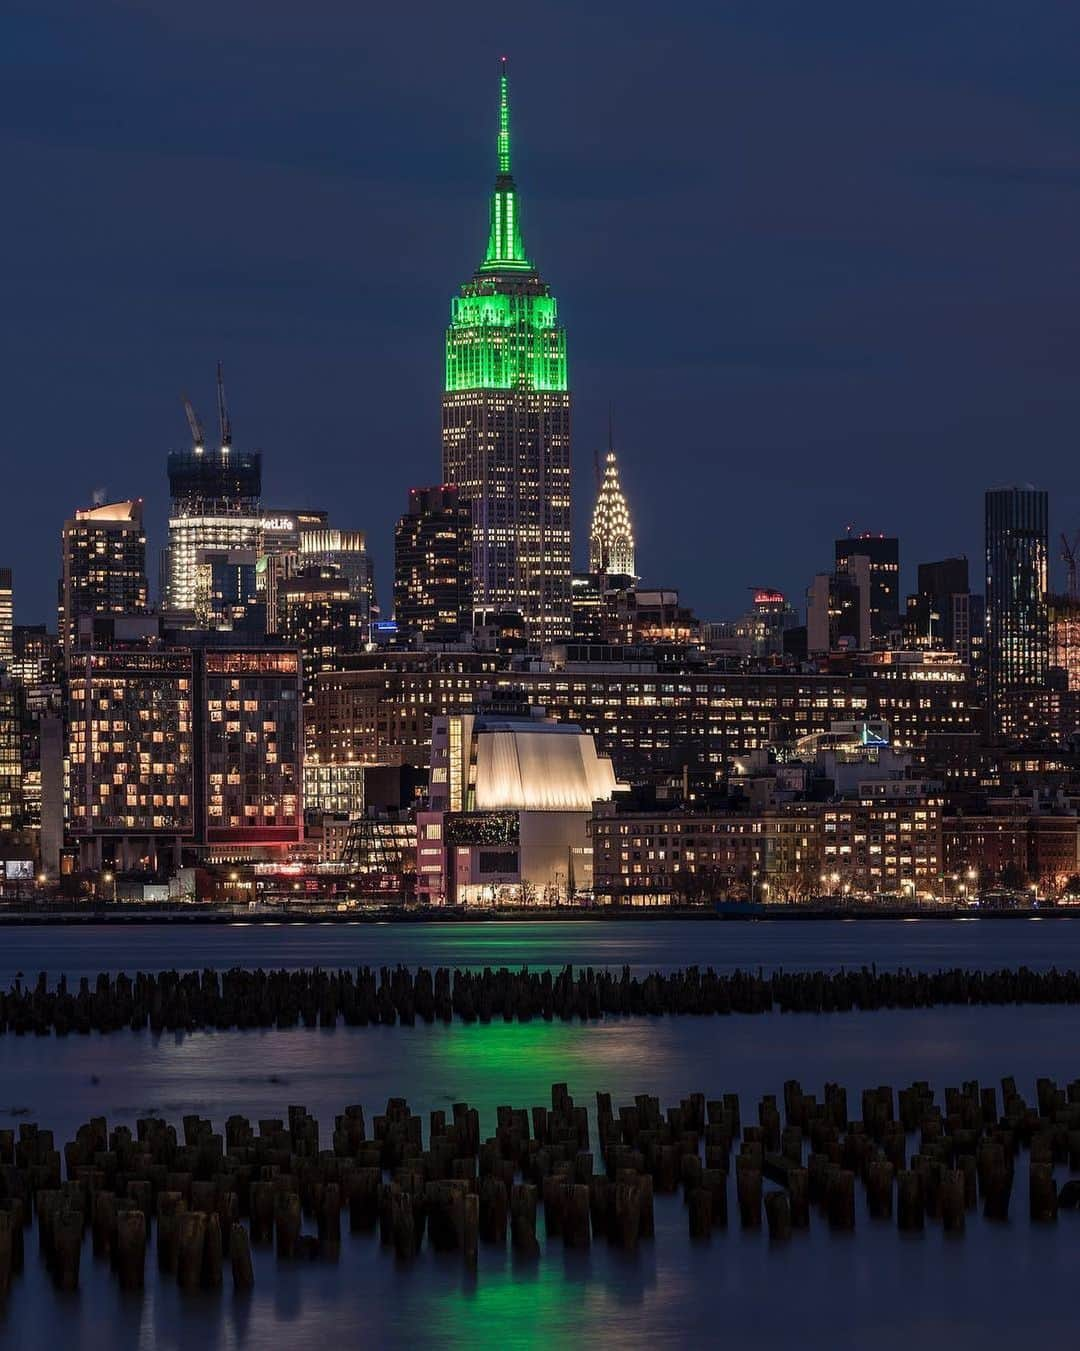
(505, 250)
(504, 332)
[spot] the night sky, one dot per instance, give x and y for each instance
(822, 258)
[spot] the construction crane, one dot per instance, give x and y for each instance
(197, 437)
(223, 412)
(1068, 557)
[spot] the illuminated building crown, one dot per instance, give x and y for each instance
(504, 329)
(611, 539)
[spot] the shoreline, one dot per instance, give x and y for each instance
(138, 916)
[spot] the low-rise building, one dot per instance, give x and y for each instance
(510, 800)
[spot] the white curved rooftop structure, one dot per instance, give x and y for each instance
(541, 767)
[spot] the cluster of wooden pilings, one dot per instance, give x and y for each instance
(210, 1196)
(171, 1001)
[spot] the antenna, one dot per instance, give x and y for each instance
(198, 439)
(223, 411)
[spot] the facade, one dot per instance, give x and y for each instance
(319, 613)
(510, 800)
(281, 531)
(886, 839)
(506, 422)
(839, 608)
(344, 554)
(250, 740)
(1063, 619)
(130, 752)
(214, 510)
(943, 613)
(611, 539)
(11, 787)
(757, 634)
(649, 721)
(682, 856)
(226, 590)
(103, 550)
(7, 618)
(882, 553)
(1008, 845)
(638, 617)
(333, 790)
(171, 749)
(433, 557)
(1017, 634)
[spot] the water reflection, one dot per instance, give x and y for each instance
(877, 1289)
(642, 944)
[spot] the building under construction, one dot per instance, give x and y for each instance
(215, 523)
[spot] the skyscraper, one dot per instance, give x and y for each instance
(944, 613)
(1017, 637)
(883, 553)
(104, 566)
(433, 565)
(506, 421)
(215, 511)
(7, 618)
(611, 539)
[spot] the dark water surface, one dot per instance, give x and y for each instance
(997, 1287)
(643, 944)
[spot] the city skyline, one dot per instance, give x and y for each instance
(764, 392)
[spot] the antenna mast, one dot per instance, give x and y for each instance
(223, 411)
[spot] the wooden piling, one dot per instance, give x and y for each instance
(778, 1215)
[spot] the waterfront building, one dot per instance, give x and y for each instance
(510, 800)
(130, 757)
(1010, 846)
(1017, 632)
(250, 746)
(103, 549)
(884, 839)
(506, 421)
(180, 750)
(11, 785)
(433, 556)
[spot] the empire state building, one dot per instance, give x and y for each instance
(506, 421)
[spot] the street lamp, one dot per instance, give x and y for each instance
(108, 878)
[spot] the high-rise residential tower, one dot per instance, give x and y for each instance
(7, 618)
(611, 539)
(1017, 635)
(433, 565)
(506, 421)
(104, 566)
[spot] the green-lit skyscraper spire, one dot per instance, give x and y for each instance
(506, 419)
(505, 249)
